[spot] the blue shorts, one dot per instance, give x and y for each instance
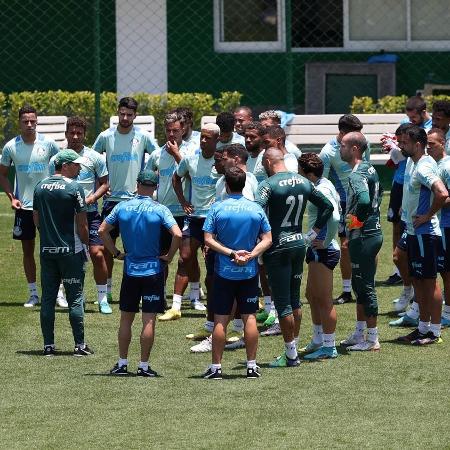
(193, 228)
(329, 257)
(166, 238)
(24, 228)
(94, 221)
(108, 206)
(225, 292)
(423, 250)
(150, 289)
(395, 202)
(401, 244)
(341, 226)
(444, 251)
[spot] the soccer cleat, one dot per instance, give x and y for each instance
(82, 350)
(235, 345)
(172, 314)
(401, 303)
(345, 297)
(445, 322)
(198, 305)
(404, 321)
(270, 320)
(234, 336)
(284, 361)
(150, 373)
(274, 330)
(365, 346)
(119, 370)
(311, 347)
(32, 301)
(49, 350)
(199, 335)
(211, 374)
(408, 338)
(394, 280)
(322, 353)
(204, 346)
(109, 297)
(61, 300)
(262, 315)
(104, 307)
(253, 372)
(427, 339)
(353, 339)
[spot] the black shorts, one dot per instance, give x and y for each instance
(225, 292)
(401, 244)
(24, 228)
(108, 206)
(395, 202)
(423, 250)
(94, 221)
(150, 289)
(329, 257)
(165, 239)
(210, 261)
(444, 251)
(341, 226)
(193, 228)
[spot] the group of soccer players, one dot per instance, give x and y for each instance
(237, 191)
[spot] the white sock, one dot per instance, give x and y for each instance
(372, 334)
(297, 340)
(396, 271)
(109, 285)
(291, 349)
(176, 302)
(209, 326)
(101, 293)
(122, 362)
(194, 291)
(360, 327)
(251, 364)
(446, 311)
(346, 285)
(413, 311)
(435, 328)
(268, 303)
(408, 290)
(33, 289)
(215, 366)
(317, 334)
(273, 311)
(238, 325)
(143, 365)
(424, 327)
(329, 340)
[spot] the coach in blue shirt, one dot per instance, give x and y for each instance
(232, 229)
(140, 221)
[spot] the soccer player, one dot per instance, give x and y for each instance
(242, 116)
(93, 178)
(338, 172)
(284, 196)
(30, 152)
(225, 121)
(232, 228)
(191, 137)
(365, 239)
(59, 212)
(273, 119)
(125, 146)
(436, 149)
(425, 194)
(274, 136)
(140, 221)
(441, 119)
(322, 256)
(253, 134)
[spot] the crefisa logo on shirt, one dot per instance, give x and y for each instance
(40, 151)
(134, 143)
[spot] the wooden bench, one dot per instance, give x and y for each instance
(147, 123)
(312, 132)
(54, 127)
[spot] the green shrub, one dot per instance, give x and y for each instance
(3, 115)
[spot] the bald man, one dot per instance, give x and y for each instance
(284, 196)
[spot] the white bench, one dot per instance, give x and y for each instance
(54, 127)
(311, 132)
(147, 123)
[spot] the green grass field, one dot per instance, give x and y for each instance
(397, 398)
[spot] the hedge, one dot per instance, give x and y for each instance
(82, 103)
(389, 104)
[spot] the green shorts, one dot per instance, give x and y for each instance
(284, 272)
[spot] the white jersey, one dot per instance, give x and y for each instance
(249, 191)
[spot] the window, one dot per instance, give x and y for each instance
(250, 25)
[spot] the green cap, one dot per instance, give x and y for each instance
(68, 156)
(147, 178)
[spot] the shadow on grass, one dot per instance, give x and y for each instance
(14, 304)
(119, 377)
(39, 353)
(393, 314)
(224, 377)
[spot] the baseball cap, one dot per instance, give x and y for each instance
(68, 156)
(147, 178)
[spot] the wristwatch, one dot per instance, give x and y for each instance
(117, 254)
(232, 255)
